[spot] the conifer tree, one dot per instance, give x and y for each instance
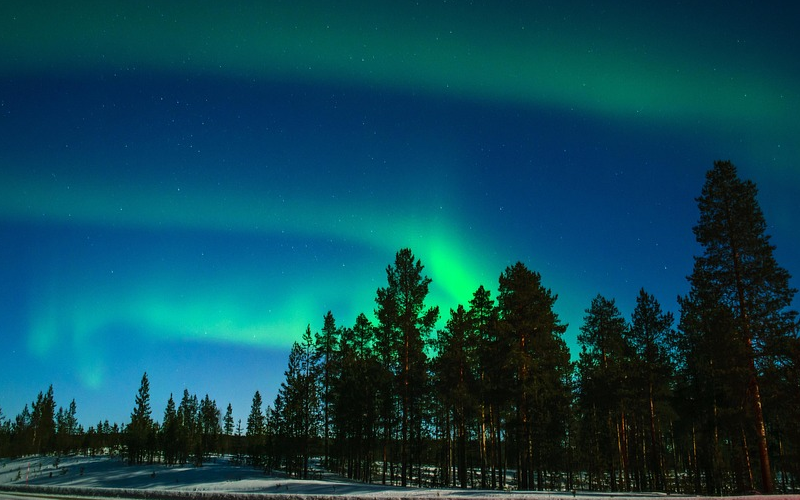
(483, 319)
(227, 429)
(187, 427)
(169, 433)
(209, 429)
(649, 337)
(406, 325)
(141, 426)
(326, 345)
(42, 421)
(602, 370)
(738, 271)
(5, 435)
(531, 333)
(354, 401)
(455, 370)
(256, 431)
(301, 403)
(67, 429)
(227, 421)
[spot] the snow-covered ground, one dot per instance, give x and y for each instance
(109, 477)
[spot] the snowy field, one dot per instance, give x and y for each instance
(111, 477)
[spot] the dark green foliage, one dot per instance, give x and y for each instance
(651, 376)
(209, 430)
(604, 391)
(298, 403)
(256, 431)
(5, 435)
(456, 381)
(68, 433)
(740, 298)
(326, 345)
(539, 369)
(406, 325)
(491, 385)
(227, 431)
(354, 403)
(42, 422)
(170, 432)
(141, 431)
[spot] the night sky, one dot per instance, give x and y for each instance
(185, 186)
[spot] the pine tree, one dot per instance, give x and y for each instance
(710, 378)
(326, 345)
(406, 326)
(256, 431)
(649, 337)
(227, 429)
(354, 401)
(187, 426)
(169, 433)
(455, 370)
(209, 429)
(531, 333)
(141, 426)
(603, 387)
(300, 400)
(43, 423)
(67, 429)
(738, 268)
(5, 435)
(483, 318)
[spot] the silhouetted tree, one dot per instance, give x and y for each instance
(540, 370)
(256, 431)
(301, 404)
(227, 429)
(652, 378)
(169, 433)
(738, 271)
(140, 429)
(603, 389)
(492, 382)
(209, 429)
(455, 372)
(326, 345)
(407, 324)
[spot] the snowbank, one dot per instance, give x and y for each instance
(104, 477)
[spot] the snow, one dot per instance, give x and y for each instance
(111, 477)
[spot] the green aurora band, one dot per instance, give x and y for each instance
(533, 58)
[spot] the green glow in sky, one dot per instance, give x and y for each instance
(534, 56)
(672, 72)
(166, 302)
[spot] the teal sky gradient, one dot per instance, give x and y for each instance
(186, 185)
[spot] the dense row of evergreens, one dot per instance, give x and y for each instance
(708, 405)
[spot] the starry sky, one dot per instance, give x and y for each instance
(184, 186)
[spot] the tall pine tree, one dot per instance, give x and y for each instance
(531, 334)
(602, 381)
(738, 269)
(256, 431)
(403, 315)
(652, 375)
(326, 346)
(141, 427)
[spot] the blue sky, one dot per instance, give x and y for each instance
(186, 186)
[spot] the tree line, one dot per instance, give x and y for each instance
(705, 405)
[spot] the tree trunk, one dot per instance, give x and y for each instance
(767, 484)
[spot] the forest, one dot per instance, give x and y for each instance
(707, 403)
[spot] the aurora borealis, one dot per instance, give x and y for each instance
(185, 186)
